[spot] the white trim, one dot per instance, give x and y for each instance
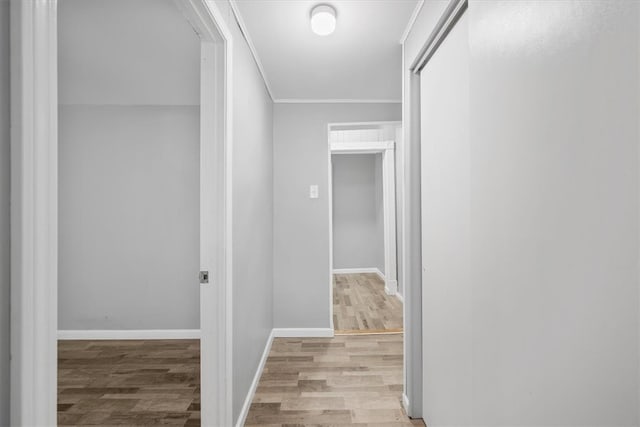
(361, 147)
(34, 210)
(454, 10)
(406, 285)
(389, 217)
(371, 124)
(216, 346)
(303, 332)
(405, 403)
(130, 334)
(412, 22)
(401, 237)
(254, 52)
(256, 380)
(330, 193)
(335, 101)
(391, 287)
(357, 270)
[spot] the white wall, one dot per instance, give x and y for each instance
(252, 214)
(301, 225)
(559, 143)
(129, 217)
(549, 310)
(129, 166)
(5, 278)
(357, 210)
(126, 52)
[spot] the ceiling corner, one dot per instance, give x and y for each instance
(245, 32)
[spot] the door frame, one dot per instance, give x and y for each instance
(34, 211)
(415, 344)
(387, 149)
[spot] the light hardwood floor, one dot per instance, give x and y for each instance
(360, 305)
(130, 382)
(346, 380)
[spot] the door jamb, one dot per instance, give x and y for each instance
(411, 107)
(34, 198)
(215, 217)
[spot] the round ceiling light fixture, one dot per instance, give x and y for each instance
(323, 19)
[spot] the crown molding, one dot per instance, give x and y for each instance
(336, 101)
(252, 48)
(412, 21)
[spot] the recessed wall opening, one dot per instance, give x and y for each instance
(363, 211)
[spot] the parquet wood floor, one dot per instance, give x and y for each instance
(132, 382)
(345, 380)
(360, 305)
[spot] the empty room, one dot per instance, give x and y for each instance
(390, 213)
(128, 214)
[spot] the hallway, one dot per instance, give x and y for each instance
(320, 213)
(332, 381)
(361, 305)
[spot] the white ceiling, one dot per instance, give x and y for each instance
(361, 60)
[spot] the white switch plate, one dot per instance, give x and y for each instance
(313, 191)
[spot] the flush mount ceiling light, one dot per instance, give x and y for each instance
(323, 19)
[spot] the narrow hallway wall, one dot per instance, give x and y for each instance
(5, 247)
(252, 214)
(301, 225)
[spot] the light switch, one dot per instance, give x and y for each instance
(313, 191)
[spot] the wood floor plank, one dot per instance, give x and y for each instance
(132, 382)
(345, 380)
(360, 305)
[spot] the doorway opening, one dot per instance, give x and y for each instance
(149, 207)
(365, 297)
(129, 209)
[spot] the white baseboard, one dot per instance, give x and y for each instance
(254, 384)
(400, 297)
(405, 403)
(275, 333)
(303, 332)
(129, 334)
(355, 270)
(391, 287)
(359, 271)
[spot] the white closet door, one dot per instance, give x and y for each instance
(446, 288)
